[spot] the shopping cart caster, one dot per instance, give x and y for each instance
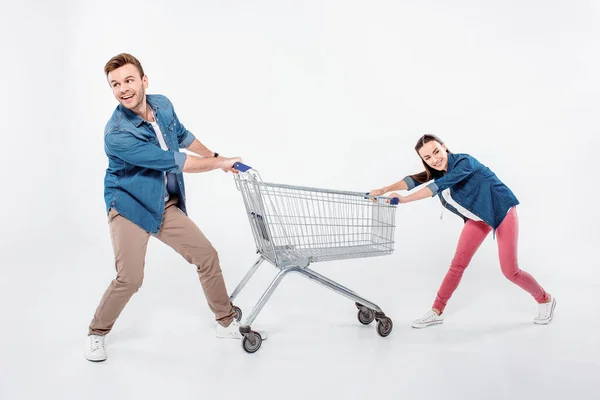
(384, 326)
(238, 313)
(251, 342)
(365, 315)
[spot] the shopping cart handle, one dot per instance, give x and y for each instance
(241, 167)
(394, 200)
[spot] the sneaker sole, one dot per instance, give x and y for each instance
(420, 326)
(96, 360)
(546, 321)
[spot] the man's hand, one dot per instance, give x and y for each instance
(226, 164)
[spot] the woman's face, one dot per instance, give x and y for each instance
(435, 155)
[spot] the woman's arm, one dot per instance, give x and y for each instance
(418, 195)
(400, 185)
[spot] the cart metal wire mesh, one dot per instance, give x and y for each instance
(294, 226)
(291, 224)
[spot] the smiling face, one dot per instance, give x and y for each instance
(435, 155)
(128, 86)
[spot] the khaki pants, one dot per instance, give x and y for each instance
(129, 245)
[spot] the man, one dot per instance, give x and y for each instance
(145, 196)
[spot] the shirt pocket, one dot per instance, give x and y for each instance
(173, 125)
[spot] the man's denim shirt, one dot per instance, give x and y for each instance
(475, 187)
(134, 183)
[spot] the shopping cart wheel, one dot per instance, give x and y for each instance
(252, 342)
(384, 326)
(238, 313)
(366, 315)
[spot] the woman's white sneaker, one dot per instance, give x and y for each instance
(95, 349)
(545, 312)
(430, 318)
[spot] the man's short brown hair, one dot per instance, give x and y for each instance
(121, 59)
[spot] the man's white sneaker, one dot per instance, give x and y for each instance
(430, 318)
(233, 331)
(95, 349)
(545, 312)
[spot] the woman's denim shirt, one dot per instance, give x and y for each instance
(475, 187)
(134, 184)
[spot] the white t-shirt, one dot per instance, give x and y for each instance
(459, 208)
(163, 145)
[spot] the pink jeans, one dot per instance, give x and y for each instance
(471, 237)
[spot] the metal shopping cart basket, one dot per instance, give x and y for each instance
(295, 226)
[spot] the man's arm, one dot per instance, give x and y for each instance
(203, 164)
(199, 149)
(143, 154)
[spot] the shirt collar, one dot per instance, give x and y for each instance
(136, 119)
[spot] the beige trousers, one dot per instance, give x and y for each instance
(129, 245)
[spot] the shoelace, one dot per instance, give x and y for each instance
(97, 343)
(429, 317)
(544, 310)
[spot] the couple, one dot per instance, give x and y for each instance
(145, 196)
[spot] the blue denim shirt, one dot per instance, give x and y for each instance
(475, 187)
(134, 182)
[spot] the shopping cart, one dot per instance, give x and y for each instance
(295, 226)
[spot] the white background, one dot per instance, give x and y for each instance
(330, 94)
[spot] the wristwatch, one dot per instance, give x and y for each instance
(216, 155)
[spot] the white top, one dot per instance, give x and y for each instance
(459, 208)
(163, 145)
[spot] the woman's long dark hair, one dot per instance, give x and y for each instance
(429, 172)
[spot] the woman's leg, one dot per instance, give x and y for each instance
(507, 235)
(471, 237)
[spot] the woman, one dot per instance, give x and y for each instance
(473, 192)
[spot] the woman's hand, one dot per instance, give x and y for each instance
(401, 199)
(377, 192)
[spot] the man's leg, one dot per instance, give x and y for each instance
(183, 235)
(129, 245)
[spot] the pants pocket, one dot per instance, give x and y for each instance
(112, 214)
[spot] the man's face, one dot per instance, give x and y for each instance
(128, 86)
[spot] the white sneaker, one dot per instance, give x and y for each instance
(430, 318)
(95, 349)
(233, 331)
(545, 312)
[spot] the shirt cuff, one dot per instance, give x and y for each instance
(410, 182)
(189, 138)
(434, 188)
(179, 160)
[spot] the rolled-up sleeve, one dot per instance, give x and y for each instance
(143, 154)
(462, 170)
(410, 182)
(184, 137)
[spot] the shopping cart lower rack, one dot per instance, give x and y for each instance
(295, 226)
